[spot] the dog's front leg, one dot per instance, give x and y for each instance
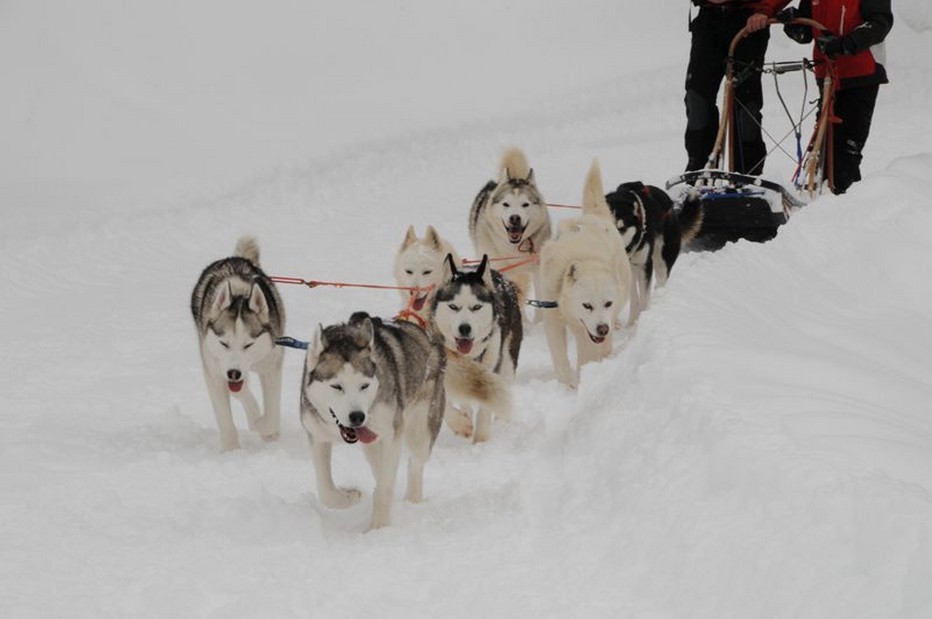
(635, 294)
(483, 425)
(269, 425)
(220, 399)
(419, 439)
(383, 457)
(458, 419)
(556, 341)
(327, 492)
(250, 405)
(537, 315)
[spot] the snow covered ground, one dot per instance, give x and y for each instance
(760, 447)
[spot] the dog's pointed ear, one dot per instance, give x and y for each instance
(530, 176)
(318, 343)
(223, 298)
(483, 265)
(504, 177)
(432, 238)
(449, 268)
(365, 336)
(410, 238)
(487, 275)
(258, 303)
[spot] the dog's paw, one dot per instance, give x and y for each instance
(340, 498)
(459, 421)
(229, 443)
(570, 383)
(267, 428)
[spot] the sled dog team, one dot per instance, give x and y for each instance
(452, 352)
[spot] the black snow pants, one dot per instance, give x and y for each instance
(712, 32)
(855, 108)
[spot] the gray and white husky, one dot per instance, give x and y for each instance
(238, 314)
(477, 313)
(509, 217)
(378, 384)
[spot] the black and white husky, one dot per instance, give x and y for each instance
(380, 385)
(509, 217)
(653, 234)
(238, 314)
(478, 314)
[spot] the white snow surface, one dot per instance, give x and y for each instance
(761, 445)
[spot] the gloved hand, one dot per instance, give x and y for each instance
(787, 15)
(800, 33)
(830, 44)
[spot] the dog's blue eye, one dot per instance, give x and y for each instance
(337, 387)
(475, 308)
(587, 306)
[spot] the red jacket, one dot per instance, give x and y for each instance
(862, 26)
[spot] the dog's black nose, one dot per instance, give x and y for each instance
(514, 221)
(465, 330)
(356, 418)
(602, 330)
(234, 375)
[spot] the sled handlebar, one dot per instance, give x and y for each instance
(726, 124)
(744, 31)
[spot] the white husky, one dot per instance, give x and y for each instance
(585, 269)
(509, 218)
(238, 314)
(419, 264)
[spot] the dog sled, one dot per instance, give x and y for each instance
(741, 206)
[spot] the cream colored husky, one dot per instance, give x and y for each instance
(419, 264)
(585, 269)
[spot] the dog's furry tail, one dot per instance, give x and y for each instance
(690, 218)
(247, 247)
(593, 196)
(514, 164)
(471, 382)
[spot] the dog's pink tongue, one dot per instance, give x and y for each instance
(463, 346)
(235, 387)
(366, 435)
(418, 304)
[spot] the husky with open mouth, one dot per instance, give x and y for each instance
(585, 269)
(419, 265)
(477, 313)
(509, 218)
(238, 314)
(378, 384)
